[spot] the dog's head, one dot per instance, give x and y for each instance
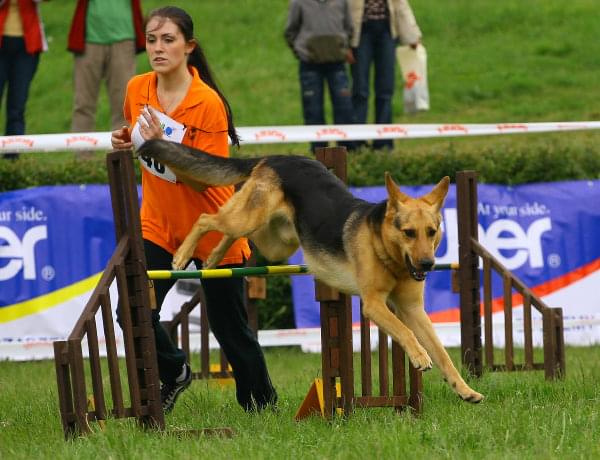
(411, 229)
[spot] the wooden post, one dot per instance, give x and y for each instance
(470, 315)
(336, 317)
(142, 348)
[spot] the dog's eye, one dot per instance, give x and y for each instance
(410, 233)
(431, 232)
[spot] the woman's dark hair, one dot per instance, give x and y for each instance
(197, 58)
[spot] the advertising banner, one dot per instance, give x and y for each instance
(545, 233)
(55, 242)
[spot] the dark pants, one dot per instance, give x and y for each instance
(376, 47)
(17, 68)
(312, 86)
(229, 323)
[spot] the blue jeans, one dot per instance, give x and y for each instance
(17, 68)
(376, 47)
(312, 79)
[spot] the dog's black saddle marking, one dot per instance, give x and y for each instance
(321, 201)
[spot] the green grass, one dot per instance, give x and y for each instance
(489, 61)
(523, 417)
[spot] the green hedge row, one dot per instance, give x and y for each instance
(500, 163)
(507, 161)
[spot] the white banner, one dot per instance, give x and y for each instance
(293, 134)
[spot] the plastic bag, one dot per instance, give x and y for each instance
(413, 65)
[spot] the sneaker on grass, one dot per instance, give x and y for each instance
(169, 392)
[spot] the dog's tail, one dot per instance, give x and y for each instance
(194, 165)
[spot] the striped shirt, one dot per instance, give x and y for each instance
(375, 10)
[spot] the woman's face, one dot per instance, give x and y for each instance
(166, 46)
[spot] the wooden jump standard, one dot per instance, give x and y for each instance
(470, 251)
(127, 266)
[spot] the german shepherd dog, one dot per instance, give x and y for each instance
(381, 252)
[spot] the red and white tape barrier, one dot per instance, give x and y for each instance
(292, 134)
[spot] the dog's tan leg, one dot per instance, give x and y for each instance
(375, 308)
(185, 252)
(219, 251)
(418, 321)
(247, 210)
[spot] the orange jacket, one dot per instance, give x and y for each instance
(169, 209)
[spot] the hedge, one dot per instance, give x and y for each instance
(506, 161)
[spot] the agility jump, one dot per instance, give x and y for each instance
(127, 266)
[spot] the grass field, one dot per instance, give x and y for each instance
(523, 417)
(489, 61)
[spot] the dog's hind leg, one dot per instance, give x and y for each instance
(246, 211)
(219, 251)
(185, 252)
(418, 321)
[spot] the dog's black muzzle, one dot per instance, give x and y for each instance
(419, 274)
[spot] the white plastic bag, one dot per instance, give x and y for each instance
(413, 65)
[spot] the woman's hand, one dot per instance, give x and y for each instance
(120, 139)
(149, 122)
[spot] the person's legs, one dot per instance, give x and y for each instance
(311, 87)
(229, 323)
(5, 66)
(22, 69)
(341, 97)
(120, 69)
(170, 358)
(385, 71)
(363, 57)
(88, 71)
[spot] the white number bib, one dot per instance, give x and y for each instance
(172, 131)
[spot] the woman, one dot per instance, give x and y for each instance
(180, 93)
(22, 40)
(379, 26)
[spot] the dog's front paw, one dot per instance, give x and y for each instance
(420, 360)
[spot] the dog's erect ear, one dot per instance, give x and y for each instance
(437, 196)
(394, 193)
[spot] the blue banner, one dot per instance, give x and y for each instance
(56, 241)
(546, 233)
(51, 239)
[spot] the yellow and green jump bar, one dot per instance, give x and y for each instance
(267, 270)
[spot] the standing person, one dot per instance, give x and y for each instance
(181, 94)
(318, 32)
(105, 36)
(22, 40)
(379, 25)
